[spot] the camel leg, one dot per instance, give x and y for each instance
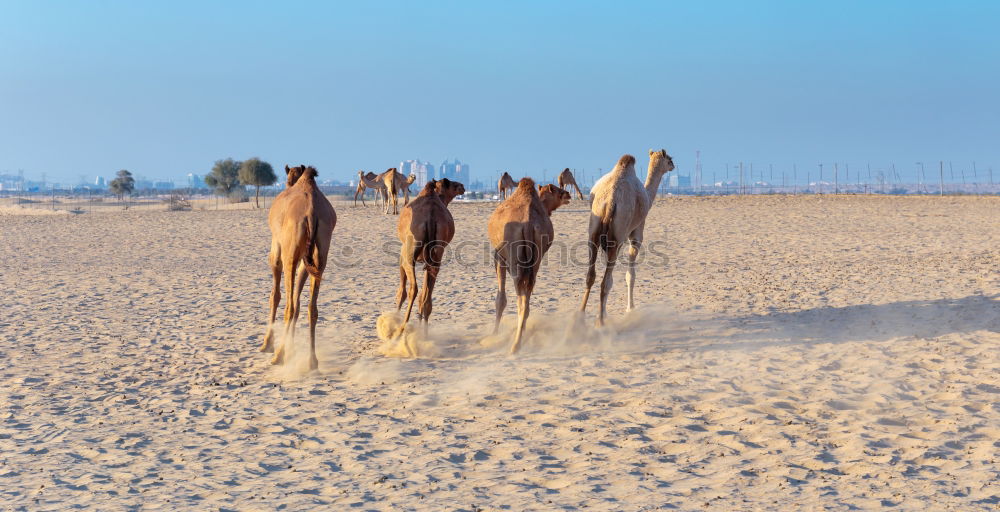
(290, 278)
(268, 345)
(313, 317)
(408, 267)
(523, 308)
(501, 302)
(401, 293)
(426, 295)
(633, 253)
(608, 280)
(591, 272)
(578, 193)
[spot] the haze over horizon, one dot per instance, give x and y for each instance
(166, 89)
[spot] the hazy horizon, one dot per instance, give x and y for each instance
(167, 89)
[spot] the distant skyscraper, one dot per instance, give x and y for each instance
(99, 182)
(423, 170)
(455, 171)
(195, 181)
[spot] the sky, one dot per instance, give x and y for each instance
(166, 88)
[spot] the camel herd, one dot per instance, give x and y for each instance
(520, 231)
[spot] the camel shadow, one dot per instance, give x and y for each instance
(866, 322)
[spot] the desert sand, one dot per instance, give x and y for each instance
(788, 353)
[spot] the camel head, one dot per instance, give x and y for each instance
(553, 197)
(293, 174)
(447, 189)
(410, 179)
(309, 173)
(660, 161)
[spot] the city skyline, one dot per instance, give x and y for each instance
(166, 89)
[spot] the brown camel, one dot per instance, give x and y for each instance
(425, 229)
(566, 179)
(520, 231)
(504, 184)
(620, 203)
(301, 221)
(362, 188)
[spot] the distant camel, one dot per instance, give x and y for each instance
(390, 184)
(403, 185)
(388, 181)
(504, 184)
(566, 179)
(301, 221)
(425, 228)
(620, 203)
(520, 231)
(362, 187)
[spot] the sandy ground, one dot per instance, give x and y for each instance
(790, 353)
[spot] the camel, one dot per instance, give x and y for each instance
(301, 221)
(566, 179)
(403, 185)
(390, 183)
(506, 183)
(425, 228)
(362, 187)
(619, 205)
(520, 231)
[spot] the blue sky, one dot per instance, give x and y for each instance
(166, 88)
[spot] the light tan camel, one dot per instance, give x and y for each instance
(620, 203)
(301, 221)
(520, 231)
(403, 183)
(390, 183)
(362, 188)
(566, 179)
(504, 184)
(425, 228)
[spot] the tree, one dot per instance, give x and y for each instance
(258, 173)
(224, 177)
(122, 184)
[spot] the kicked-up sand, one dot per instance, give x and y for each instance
(788, 353)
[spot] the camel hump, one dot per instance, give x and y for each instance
(526, 183)
(626, 160)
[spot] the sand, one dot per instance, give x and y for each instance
(788, 353)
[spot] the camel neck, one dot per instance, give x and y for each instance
(653, 178)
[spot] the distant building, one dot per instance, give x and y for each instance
(195, 181)
(455, 171)
(678, 181)
(99, 182)
(163, 185)
(423, 170)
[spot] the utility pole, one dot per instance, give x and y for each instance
(941, 167)
(820, 185)
(920, 179)
(836, 179)
(741, 178)
(795, 179)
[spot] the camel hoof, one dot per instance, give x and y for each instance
(278, 358)
(313, 364)
(268, 345)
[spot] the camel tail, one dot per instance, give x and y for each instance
(526, 254)
(312, 230)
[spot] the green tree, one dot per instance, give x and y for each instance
(224, 177)
(123, 184)
(257, 173)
